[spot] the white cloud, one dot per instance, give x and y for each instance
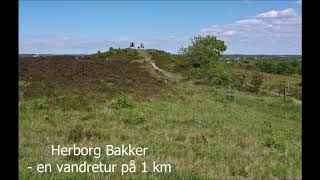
(278, 14)
(229, 33)
(272, 30)
(285, 23)
(249, 21)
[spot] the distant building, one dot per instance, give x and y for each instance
(139, 45)
(36, 55)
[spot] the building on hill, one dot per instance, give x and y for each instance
(139, 45)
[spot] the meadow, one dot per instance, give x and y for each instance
(192, 126)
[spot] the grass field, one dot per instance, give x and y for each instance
(192, 127)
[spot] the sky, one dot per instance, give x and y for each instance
(84, 27)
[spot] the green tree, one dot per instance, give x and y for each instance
(202, 59)
(204, 50)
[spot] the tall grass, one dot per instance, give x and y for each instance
(194, 128)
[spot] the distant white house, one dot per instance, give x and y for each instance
(36, 55)
(138, 45)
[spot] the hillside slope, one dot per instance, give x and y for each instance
(195, 128)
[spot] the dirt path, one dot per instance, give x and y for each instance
(160, 70)
(147, 58)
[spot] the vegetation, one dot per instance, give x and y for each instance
(223, 140)
(117, 54)
(244, 76)
(283, 67)
(22, 86)
(203, 51)
(247, 81)
(187, 123)
(202, 60)
(121, 102)
(163, 59)
(279, 67)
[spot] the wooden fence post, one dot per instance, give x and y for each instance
(284, 93)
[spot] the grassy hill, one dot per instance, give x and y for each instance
(117, 54)
(192, 126)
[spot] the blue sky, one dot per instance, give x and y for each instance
(247, 26)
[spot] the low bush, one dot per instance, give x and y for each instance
(136, 118)
(40, 104)
(256, 82)
(122, 101)
(247, 81)
(133, 53)
(22, 86)
(217, 74)
(140, 118)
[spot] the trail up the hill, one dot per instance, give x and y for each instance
(147, 58)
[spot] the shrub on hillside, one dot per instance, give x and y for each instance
(241, 80)
(217, 74)
(22, 86)
(194, 73)
(122, 101)
(172, 66)
(247, 81)
(40, 104)
(111, 52)
(132, 53)
(256, 82)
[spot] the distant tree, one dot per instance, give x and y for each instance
(98, 54)
(279, 67)
(266, 66)
(111, 51)
(285, 68)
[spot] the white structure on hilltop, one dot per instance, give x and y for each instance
(138, 45)
(36, 55)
